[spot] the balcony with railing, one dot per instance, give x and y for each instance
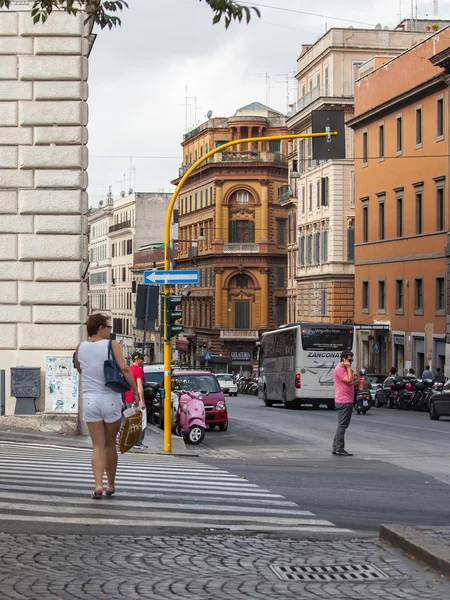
(236, 248)
(248, 335)
(238, 156)
(321, 92)
(119, 226)
(284, 193)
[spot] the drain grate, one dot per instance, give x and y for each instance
(365, 572)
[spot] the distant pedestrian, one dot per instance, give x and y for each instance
(392, 372)
(138, 373)
(101, 406)
(427, 374)
(439, 376)
(411, 372)
(344, 384)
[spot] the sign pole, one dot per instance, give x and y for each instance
(167, 257)
(145, 322)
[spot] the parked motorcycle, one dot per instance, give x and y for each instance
(396, 388)
(152, 397)
(190, 416)
(423, 390)
(405, 397)
(363, 402)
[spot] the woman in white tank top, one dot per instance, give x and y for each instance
(101, 406)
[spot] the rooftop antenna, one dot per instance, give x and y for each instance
(435, 8)
(109, 196)
(287, 76)
(399, 11)
(267, 76)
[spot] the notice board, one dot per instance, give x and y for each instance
(61, 385)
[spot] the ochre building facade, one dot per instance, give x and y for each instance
(232, 229)
(402, 170)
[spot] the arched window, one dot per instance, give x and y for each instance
(242, 281)
(242, 197)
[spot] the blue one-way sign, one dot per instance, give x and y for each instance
(170, 277)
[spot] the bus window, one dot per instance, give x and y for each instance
(327, 338)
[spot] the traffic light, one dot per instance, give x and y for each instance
(168, 306)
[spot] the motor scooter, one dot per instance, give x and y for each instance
(363, 402)
(190, 417)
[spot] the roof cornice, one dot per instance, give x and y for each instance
(398, 102)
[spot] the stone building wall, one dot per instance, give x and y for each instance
(43, 180)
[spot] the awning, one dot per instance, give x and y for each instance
(182, 345)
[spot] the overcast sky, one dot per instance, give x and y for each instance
(138, 75)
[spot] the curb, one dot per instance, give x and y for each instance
(27, 436)
(410, 539)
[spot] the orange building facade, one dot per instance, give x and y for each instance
(232, 229)
(401, 141)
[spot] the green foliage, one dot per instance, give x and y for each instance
(102, 12)
(231, 10)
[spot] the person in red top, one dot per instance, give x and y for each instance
(344, 391)
(138, 373)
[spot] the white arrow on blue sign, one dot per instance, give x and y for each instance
(170, 277)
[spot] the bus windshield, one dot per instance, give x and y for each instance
(328, 339)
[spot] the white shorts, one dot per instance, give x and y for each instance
(102, 407)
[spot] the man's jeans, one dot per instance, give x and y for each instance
(344, 415)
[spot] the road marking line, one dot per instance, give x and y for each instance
(87, 488)
(139, 504)
(171, 524)
(148, 479)
(13, 507)
(86, 468)
(167, 487)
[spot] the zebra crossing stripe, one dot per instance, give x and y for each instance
(164, 493)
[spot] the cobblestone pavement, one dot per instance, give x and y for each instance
(44, 567)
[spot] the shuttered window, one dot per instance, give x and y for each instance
(324, 246)
(242, 314)
(351, 244)
(301, 250)
(316, 246)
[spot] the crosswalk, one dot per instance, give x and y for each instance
(52, 484)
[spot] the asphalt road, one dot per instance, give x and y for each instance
(400, 472)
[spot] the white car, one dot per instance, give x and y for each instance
(227, 383)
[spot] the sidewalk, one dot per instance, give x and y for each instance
(154, 439)
(428, 544)
(209, 567)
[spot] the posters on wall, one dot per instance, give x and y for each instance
(61, 385)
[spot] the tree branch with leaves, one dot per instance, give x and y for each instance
(104, 12)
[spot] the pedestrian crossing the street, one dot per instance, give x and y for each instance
(52, 484)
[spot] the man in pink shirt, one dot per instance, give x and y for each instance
(344, 395)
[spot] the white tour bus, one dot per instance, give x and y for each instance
(296, 363)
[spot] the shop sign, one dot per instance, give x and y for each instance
(240, 355)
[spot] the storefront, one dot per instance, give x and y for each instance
(241, 362)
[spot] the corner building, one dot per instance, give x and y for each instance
(402, 209)
(43, 181)
(232, 229)
(321, 196)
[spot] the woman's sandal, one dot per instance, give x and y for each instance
(110, 491)
(98, 493)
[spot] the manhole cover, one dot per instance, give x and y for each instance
(329, 573)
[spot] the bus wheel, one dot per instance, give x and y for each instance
(266, 401)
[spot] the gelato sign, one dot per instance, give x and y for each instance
(240, 355)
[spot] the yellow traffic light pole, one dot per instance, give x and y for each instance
(167, 344)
